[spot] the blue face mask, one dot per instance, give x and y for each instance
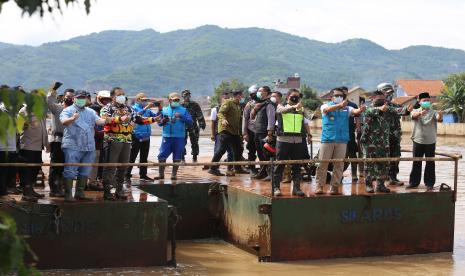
(259, 95)
(242, 100)
(175, 104)
(425, 105)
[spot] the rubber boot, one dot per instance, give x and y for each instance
(174, 174)
(69, 190)
(161, 171)
(119, 193)
(380, 188)
(296, 191)
(107, 195)
(369, 186)
(60, 187)
(28, 195)
(80, 185)
(276, 185)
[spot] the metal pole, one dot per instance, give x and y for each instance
(456, 171)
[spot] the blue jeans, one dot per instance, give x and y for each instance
(75, 156)
(172, 145)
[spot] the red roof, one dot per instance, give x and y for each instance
(415, 87)
(402, 100)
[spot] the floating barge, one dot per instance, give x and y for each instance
(139, 232)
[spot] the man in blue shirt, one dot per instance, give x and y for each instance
(334, 138)
(174, 122)
(78, 143)
(141, 136)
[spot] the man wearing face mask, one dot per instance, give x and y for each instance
(117, 141)
(141, 136)
(248, 128)
(334, 138)
(55, 179)
(197, 121)
(393, 116)
(229, 130)
(424, 142)
(78, 144)
(175, 120)
(290, 129)
(95, 179)
(264, 114)
(375, 143)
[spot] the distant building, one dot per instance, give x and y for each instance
(291, 83)
(406, 90)
(353, 95)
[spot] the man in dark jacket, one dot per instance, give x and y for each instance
(198, 121)
(141, 136)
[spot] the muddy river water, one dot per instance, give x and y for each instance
(215, 257)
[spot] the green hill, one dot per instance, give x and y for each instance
(200, 58)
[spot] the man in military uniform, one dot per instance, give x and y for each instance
(393, 115)
(375, 143)
(197, 121)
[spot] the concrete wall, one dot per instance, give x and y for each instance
(407, 127)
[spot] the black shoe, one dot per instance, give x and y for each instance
(194, 158)
(411, 186)
(204, 168)
(14, 191)
(36, 194)
(241, 171)
(215, 172)
(380, 188)
(396, 182)
(146, 178)
(29, 198)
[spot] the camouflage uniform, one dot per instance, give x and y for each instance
(193, 131)
(392, 116)
(375, 143)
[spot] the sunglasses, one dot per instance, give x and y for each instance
(175, 100)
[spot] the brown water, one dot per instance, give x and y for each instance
(215, 257)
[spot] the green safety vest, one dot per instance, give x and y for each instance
(290, 124)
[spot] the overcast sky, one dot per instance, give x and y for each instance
(393, 24)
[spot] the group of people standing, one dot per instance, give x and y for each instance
(110, 130)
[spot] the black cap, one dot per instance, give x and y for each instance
(236, 92)
(378, 93)
(185, 91)
(81, 93)
(423, 95)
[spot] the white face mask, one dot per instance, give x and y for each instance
(337, 100)
(121, 99)
(273, 99)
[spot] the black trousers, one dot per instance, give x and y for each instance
(56, 156)
(351, 153)
(261, 151)
(193, 134)
(287, 151)
(394, 151)
(226, 139)
(28, 175)
(7, 174)
(422, 150)
(251, 148)
(137, 147)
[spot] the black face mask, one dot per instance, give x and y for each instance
(294, 99)
(378, 102)
(68, 101)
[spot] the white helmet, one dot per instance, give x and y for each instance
(385, 87)
(253, 89)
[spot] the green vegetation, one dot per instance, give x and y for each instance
(12, 249)
(310, 98)
(199, 59)
(32, 6)
(227, 86)
(452, 98)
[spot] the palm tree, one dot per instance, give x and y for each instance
(453, 100)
